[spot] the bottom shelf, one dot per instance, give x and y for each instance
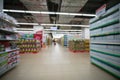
(106, 68)
(7, 69)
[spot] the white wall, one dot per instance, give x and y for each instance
(85, 33)
(37, 28)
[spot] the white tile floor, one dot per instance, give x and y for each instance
(56, 63)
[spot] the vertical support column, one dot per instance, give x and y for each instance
(85, 33)
(1, 5)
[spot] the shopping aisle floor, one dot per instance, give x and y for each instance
(56, 63)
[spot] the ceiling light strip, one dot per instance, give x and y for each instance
(27, 23)
(53, 24)
(42, 12)
(61, 30)
(64, 25)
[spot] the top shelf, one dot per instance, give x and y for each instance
(7, 32)
(8, 22)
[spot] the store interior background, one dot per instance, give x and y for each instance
(69, 28)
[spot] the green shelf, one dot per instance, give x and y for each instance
(110, 72)
(106, 34)
(106, 63)
(106, 24)
(106, 53)
(106, 43)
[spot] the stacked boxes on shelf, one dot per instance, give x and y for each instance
(65, 40)
(105, 41)
(7, 30)
(29, 45)
(79, 45)
(62, 41)
(9, 53)
(13, 58)
(8, 60)
(3, 62)
(87, 45)
(49, 41)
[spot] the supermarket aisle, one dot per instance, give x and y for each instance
(56, 63)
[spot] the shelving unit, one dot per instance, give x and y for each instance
(9, 53)
(29, 46)
(81, 45)
(6, 32)
(105, 41)
(65, 40)
(10, 50)
(8, 22)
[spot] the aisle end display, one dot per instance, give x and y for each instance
(29, 43)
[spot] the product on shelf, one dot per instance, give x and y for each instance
(79, 45)
(29, 45)
(65, 40)
(9, 53)
(49, 41)
(105, 41)
(2, 47)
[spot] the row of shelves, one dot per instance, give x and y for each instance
(105, 67)
(9, 50)
(29, 45)
(7, 32)
(105, 41)
(105, 52)
(8, 61)
(112, 63)
(9, 53)
(106, 34)
(111, 22)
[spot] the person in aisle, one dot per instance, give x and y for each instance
(54, 41)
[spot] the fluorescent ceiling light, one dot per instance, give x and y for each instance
(43, 12)
(27, 23)
(64, 25)
(24, 28)
(53, 24)
(61, 30)
(65, 32)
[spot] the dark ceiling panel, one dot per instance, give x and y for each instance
(17, 5)
(112, 3)
(91, 6)
(14, 4)
(26, 26)
(86, 17)
(54, 7)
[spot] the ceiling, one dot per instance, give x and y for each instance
(72, 6)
